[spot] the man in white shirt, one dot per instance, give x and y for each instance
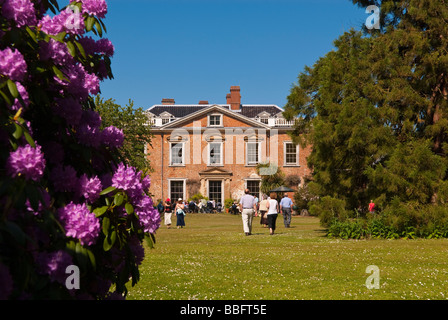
(247, 207)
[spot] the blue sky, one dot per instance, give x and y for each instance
(192, 50)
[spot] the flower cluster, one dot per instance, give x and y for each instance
(127, 179)
(94, 7)
(12, 64)
(112, 137)
(21, 11)
(80, 223)
(56, 158)
(67, 20)
(26, 161)
(89, 188)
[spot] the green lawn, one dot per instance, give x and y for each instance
(212, 259)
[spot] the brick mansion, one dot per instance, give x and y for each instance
(214, 149)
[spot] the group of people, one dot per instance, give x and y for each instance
(268, 208)
(249, 206)
(178, 208)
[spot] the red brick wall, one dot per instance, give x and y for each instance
(163, 171)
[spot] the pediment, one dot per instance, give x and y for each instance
(263, 114)
(166, 114)
(214, 109)
(216, 172)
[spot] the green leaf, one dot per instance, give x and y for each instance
(100, 211)
(150, 240)
(59, 74)
(18, 132)
(106, 225)
(118, 199)
(89, 23)
(71, 48)
(107, 190)
(129, 208)
(81, 49)
(98, 28)
(6, 97)
(109, 241)
(29, 139)
(31, 33)
(12, 88)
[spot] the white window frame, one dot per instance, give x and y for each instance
(183, 154)
(259, 187)
(247, 153)
(222, 189)
(221, 154)
(285, 163)
(183, 187)
(214, 115)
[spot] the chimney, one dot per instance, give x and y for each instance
(203, 102)
(168, 101)
(235, 98)
(228, 98)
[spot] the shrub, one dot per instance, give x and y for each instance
(404, 220)
(67, 197)
(328, 209)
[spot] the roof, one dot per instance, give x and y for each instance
(182, 110)
(213, 108)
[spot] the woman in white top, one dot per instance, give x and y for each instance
(272, 206)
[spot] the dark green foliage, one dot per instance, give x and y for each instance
(374, 110)
(134, 124)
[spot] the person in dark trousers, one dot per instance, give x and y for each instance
(285, 208)
(272, 214)
(180, 214)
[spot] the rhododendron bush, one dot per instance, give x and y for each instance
(66, 197)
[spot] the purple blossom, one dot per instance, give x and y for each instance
(21, 11)
(149, 216)
(80, 223)
(6, 282)
(12, 64)
(67, 20)
(26, 161)
(54, 265)
(112, 137)
(90, 188)
(102, 46)
(64, 178)
(81, 83)
(55, 50)
(146, 183)
(127, 179)
(94, 7)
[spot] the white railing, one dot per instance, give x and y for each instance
(279, 122)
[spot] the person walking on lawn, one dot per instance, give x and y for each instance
(285, 208)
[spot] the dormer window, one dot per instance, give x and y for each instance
(263, 117)
(215, 120)
(166, 117)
